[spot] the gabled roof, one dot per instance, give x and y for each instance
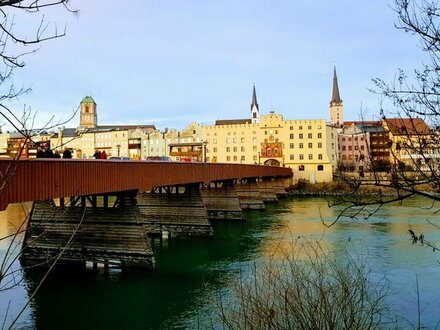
(407, 126)
(232, 122)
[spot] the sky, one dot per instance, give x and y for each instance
(170, 63)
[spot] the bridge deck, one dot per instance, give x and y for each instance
(40, 179)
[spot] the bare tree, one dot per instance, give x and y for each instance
(306, 288)
(14, 47)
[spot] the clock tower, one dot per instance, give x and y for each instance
(88, 116)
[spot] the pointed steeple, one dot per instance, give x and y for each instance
(254, 99)
(336, 106)
(255, 111)
(335, 93)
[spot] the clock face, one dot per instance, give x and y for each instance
(271, 138)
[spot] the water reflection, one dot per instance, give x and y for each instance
(191, 272)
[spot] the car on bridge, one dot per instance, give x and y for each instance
(158, 159)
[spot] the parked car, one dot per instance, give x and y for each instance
(120, 158)
(159, 159)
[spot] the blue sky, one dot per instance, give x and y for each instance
(169, 63)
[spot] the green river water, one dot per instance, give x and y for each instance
(191, 272)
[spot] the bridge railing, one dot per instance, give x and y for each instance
(39, 179)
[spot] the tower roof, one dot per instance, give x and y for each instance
(335, 93)
(254, 99)
(88, 99)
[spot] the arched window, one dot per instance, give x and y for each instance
(301, 167)
(320, 167)
(275, 152)
(269, 152)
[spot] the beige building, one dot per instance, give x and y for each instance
(309, 146)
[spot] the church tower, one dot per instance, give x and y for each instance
(88, 116)
(336, 106)
(255, 111)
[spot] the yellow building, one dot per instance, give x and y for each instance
(308, 146)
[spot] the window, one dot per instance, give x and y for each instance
(254, 148)
(344, 157)
(320, 167)
(242, 140)
(343, 139)
(301, 145)
(301, 156)
(291, 128)
(309, 127)
(343, 148)
(242, 158)
(235, 149)
(356, 147)
(349, 139)
(214, 141)
(235, 140)
(300, 127)
(319, 126)
(309, 135)
(319, 135)
(350, 157)
(301, 167)
(291, 136)
(350, 148)
(228, 140)
(255, 158)
(275, 152)
(319, 144)
(228, 158)
(254, 139)
(214, 149)
(242, 149)
(310, 145)
(269, 152)
(362, 147)
(235, 158)
(292, 157)
(228, 149)
(300, 136)
(291, 146)
(310, 156)
(319, 156)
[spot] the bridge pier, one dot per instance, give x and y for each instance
(249, 195)
(279, 186)
(267, 192)
(177, 210)
(87, 232)
(221, 201)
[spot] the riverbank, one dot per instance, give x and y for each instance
(343, 188)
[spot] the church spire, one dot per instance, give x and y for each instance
(255, 111)
(254, 99)
(335, 93)
(336, 106)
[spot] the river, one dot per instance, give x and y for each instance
(182, 292)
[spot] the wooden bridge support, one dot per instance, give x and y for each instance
(221, 201)
(174, 211)
(249, 195)
(279, 187)
(86, 231)
(267, 192)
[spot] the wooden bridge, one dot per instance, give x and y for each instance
(105, 209)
